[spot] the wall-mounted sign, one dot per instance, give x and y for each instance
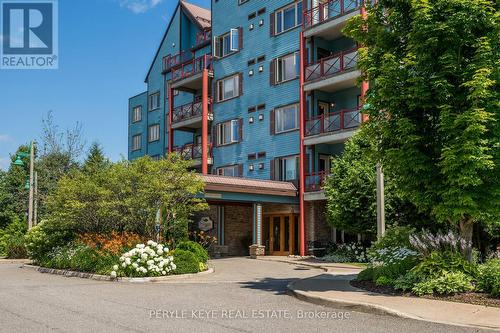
(205, 224)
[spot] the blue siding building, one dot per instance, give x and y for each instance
(260, 95)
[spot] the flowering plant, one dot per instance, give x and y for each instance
(390, 255)
(426, 242)
(350, 252)
(153, 259)
(114, 243)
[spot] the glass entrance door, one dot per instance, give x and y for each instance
(282, 234)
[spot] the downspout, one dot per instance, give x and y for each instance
(302, 147)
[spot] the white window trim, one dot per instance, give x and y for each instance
(219, 41)
(235, 168)
(282, 11)
(233, 134)
(297, 116)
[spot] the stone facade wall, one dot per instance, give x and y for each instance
(238, 228)
(317, 228)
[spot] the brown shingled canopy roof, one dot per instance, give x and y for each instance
(250, 186)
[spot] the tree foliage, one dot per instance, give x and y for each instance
(125, 196)
(351, 190)
(434, 68)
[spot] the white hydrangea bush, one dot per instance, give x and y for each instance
(150, 260)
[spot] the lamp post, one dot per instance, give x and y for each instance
(31, 183)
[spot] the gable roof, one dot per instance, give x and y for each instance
(200, 16)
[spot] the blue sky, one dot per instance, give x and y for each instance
(105, 49)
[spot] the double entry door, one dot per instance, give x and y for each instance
(283, 234)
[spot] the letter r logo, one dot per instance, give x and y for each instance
(27, 27)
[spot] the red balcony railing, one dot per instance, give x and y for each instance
(314, 181)
(172, 61)
(187, 111)
(332, 122)
(203, 36)
(329, 10)
(334, 64)
(192, 151)
(192, 67)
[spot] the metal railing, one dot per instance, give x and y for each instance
(171, 61)
(192, 67)
(203, 36)
(187, 111)
(332, 122)
(334, 64)
(192, 151)
(329, 10)
(314, 181)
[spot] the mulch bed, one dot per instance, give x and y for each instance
(470, 298)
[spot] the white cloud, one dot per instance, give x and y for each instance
(5, 138)
(139, 6)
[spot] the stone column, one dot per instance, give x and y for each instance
(257, 249)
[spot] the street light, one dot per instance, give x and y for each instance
(30, 182)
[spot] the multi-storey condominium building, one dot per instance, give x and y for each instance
(260, 95)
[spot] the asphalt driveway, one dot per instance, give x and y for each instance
(243, 295)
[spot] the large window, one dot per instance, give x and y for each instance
(154, 133)
(137, 114)
(228, 88)
(228, 132)
(136, 142)
(230, 171)
(154, 101)
(227, 43)
(288, 17)
(287, 67)
(288, 168)
(286, 118)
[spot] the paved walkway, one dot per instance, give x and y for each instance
(332, 288)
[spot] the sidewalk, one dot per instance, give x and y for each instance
(315, 263)
(333, 289)
(14, 261)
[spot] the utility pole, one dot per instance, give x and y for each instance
(32, 168)
(35, 203)
(380, 202)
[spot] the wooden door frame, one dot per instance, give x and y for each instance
(291, 234)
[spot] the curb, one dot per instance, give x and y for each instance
(14, 261)
(97, 277)
(369, 308)
(317, 265)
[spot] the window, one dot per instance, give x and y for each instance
(230, 171)
(136, 142)
(154, 101)
(137, 114)
(154, 133)
(287, 67)
(228, 43)
(228, 88)
(288, 168)
(288, 17)
(156, 157)
(240, 2)
(228, 132)
(286, 118)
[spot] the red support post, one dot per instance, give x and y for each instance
(204, 123)
(364, 84)
(302, 233)
(170, 118)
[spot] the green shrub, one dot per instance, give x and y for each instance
(366, 274)
(407, 281)
(488, 279)
(444, 284)
(198, 250)
(384, 281)
(395, 270)
(12, 240)
(438, 262)
(186, 262)
(395, 237)
(45, 237)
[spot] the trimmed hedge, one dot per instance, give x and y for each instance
(186, 262)
(195, 248)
